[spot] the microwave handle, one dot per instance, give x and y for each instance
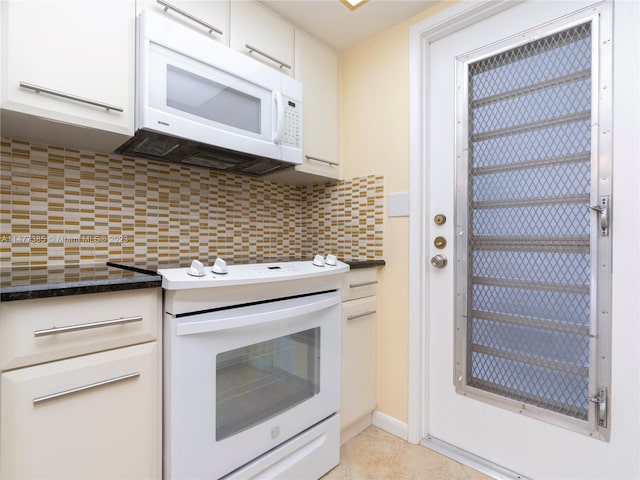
(239, 321)
(279, 117)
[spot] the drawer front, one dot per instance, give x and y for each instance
(95, 416)
(46, 329)
(360, 283)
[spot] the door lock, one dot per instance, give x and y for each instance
(440, 242)
(440, 219)
(439, 261)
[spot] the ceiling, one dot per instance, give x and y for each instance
(342, 29)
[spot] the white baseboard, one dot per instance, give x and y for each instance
(354, 429)
(390, 424)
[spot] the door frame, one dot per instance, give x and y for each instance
(421, 35)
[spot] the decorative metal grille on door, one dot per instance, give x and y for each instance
(528, 303)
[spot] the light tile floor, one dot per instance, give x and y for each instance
(377, 455)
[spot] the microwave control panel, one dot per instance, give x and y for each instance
(292, 123)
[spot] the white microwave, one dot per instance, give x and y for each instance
(201, 103)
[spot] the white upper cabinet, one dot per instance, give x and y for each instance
(261, 33)
(211, 17)
(70, 62)
(317, 69)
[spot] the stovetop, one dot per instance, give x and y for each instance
(190, 274)
(251, 274)
(155, 265)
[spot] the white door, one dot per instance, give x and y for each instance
(501, 434)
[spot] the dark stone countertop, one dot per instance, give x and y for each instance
(23, 283)
(364, 263)
(152, 266)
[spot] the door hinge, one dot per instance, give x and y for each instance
(601, 401)
(603, 209)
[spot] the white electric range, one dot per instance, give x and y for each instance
(252, 369)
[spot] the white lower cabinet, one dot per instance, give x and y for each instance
(358, 351)
(88, 404)
(87, 417)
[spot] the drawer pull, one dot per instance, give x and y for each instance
(360, 315)
(266, 55)
(66, 393)
(168, 6)
(68, 96)
(85, 326)
(322, 160)
(363, 284)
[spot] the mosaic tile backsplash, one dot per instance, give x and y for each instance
(64, 206)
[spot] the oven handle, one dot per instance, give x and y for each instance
(240, 321)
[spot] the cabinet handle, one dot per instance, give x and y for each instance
(168, 6)
(266, 55)
(85, 326)
(71, 391)
(328, 162)
(360, 315)
(68, 96)
(363, 284)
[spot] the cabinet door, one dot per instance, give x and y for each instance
(109, 429)
(195, 14)
(358, 359)
(254, 26)
(317, 69)
(83, 50)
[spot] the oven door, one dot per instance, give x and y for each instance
(241, 381)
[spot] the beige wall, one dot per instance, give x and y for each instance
(374, 100)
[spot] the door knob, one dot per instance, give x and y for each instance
(439, 261)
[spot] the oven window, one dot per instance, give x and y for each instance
(205, 98)
(259, 381)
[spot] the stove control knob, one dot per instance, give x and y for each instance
(220, 266)
(196, 269)
(318, 261)
(331, 260)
